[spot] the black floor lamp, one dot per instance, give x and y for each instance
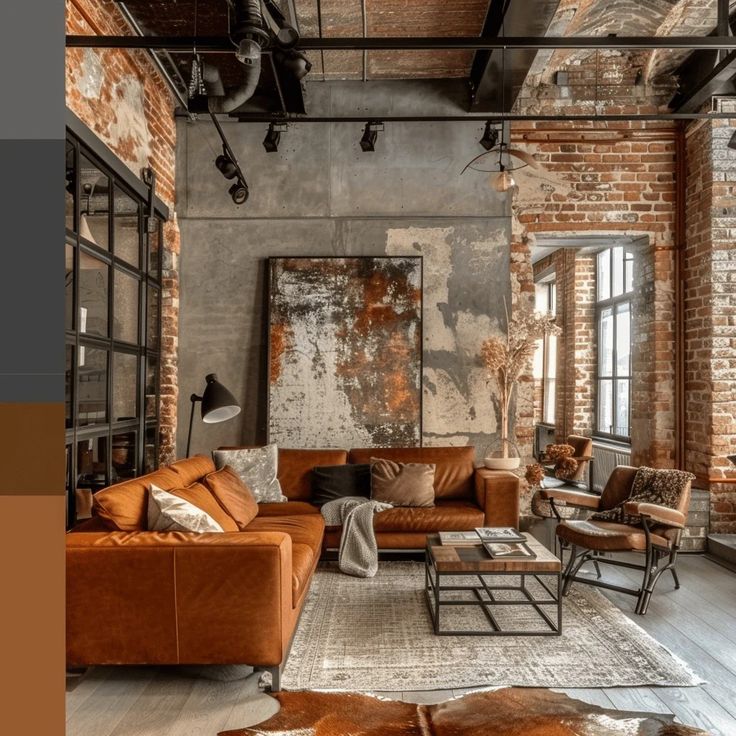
(218, 405)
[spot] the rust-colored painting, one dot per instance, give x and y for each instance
(345, 352)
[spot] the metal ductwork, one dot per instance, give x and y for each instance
(250, 36)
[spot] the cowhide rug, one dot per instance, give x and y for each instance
(505, 712)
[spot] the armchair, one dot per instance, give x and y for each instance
(648, 528)
(583, 455)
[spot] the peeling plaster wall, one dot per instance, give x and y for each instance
(320, 195)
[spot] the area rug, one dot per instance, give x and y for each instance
(373, 634)
(506, 712)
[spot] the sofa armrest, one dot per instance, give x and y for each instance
(178, 597)
(562, 497)
(497, 493)
(658, 514)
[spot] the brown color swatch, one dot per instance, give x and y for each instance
(32, 627)
(32, 448)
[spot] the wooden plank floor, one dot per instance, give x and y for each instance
(697, 622)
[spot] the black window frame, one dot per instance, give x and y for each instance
(85, 143)
(601, 305)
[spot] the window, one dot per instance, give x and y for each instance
(113, 324)
(614, 287)
(545, 359)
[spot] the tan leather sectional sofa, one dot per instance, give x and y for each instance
(141, 597)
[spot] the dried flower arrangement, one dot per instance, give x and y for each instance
(507, 358)
(534, 475)
(562, 457)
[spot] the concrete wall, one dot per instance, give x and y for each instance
(320, 195)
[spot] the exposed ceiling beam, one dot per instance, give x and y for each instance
(470, 118)
(706, 73)
(497, 75)
(719, 81)
(221, 44)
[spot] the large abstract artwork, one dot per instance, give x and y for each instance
(345, 352)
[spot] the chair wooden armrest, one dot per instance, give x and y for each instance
(571, 498)
(583, 458)
(657, 514)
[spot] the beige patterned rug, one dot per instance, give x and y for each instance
(373, 634)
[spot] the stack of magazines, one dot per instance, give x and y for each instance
(500, 542)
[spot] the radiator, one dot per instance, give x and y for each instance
(605, 459)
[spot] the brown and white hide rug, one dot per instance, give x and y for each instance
(503, 712)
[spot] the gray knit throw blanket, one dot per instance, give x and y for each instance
(358, 554)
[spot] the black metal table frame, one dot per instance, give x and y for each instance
(433, 591)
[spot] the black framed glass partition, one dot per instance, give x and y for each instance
(113, 323)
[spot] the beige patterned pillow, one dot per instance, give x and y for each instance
(169, 513)
(257, 468)
(402, 484)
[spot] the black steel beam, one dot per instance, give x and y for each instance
(222, 44)
(472, 118)
(719, 81)
(496, 76)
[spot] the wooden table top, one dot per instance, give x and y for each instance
(474, 558)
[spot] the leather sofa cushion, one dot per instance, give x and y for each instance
(233, 495)
(124, 506)
(295, 469)
(200, 496)
(306, 529)
(454, 466)
(402, 484)
(192, 468)
(288, 508)
(447, 516)
(302, 563)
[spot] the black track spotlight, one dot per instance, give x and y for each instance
(490, 136)
(239, 192)
(273, 137)
(370, 134)
(228, 168)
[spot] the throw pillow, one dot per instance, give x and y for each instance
(257, 468)
(233, 495)
(200, 496)
(402, 484)
(661, 487)
(170, 513)
(337, 481)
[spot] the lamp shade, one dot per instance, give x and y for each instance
(218, 404)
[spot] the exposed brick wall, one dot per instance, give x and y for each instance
(617, 185)
(120, 96)
(710, 315)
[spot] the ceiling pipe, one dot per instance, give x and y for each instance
(250, 38)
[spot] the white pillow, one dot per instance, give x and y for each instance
(257, 468)
(169, 513)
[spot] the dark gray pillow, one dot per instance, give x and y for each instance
(337, 481)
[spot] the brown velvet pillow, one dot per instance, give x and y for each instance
(402, 484)
(233, 495)
(201, 497)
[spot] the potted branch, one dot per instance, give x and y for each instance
(506, 358)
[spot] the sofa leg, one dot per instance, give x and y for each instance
(275, 678)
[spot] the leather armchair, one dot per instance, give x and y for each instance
(647, 528)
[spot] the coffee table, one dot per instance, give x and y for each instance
(493, 584)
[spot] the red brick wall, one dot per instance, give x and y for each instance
(616, 185)
(120, 96)
(710, 315)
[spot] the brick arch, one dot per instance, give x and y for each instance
(688, 17)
